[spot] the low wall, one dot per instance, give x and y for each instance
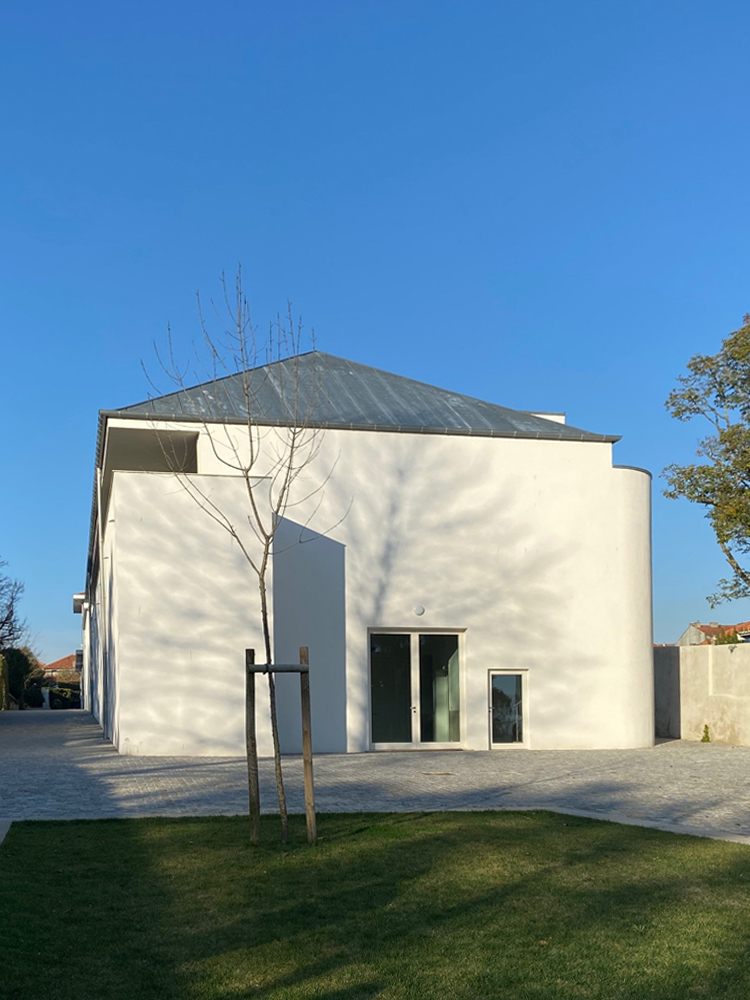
(697, 686)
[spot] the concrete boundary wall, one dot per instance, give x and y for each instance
(697, 686)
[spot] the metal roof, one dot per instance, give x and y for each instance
(321, 390)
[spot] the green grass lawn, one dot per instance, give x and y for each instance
(442, 905)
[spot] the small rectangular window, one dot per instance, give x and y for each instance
(506, 708)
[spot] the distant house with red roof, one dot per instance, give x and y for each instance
(66, 668)
(700, 634)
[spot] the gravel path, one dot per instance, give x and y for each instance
(56, 765)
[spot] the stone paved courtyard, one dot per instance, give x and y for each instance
(56, 765)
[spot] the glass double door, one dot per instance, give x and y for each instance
(415, 690)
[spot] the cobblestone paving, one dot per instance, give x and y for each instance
(56, 765)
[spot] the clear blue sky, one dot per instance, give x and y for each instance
(543, 204)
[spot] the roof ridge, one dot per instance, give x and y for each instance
(211, 381)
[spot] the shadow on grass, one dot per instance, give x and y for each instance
(414, 906)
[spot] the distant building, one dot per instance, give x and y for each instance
(701, 634)
(65, 666)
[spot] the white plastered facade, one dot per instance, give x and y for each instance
(536, 553)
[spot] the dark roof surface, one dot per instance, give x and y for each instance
(320, 390)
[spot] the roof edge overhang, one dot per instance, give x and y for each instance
(635, 468)
(585, 436)
(98, 449)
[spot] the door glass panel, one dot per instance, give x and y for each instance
(390, 688)
(507, 709)
(439, 708)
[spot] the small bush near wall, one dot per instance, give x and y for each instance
(33, 697)
(64, 697)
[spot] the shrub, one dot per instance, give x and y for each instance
(64, 697)
(33, 697)
(22, 664)
(727, 639)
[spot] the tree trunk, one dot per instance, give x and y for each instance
(278, 773)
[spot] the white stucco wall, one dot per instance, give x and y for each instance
(187, 610)
(704, 686)
(100, 681)
(538, 552)
(99, 641)
(309, 594)
(90, 681)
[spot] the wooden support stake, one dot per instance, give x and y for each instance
(304, 684)
(251, 747)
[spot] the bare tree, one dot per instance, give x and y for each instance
(268, 458)
(12, 626)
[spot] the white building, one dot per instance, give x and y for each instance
(469, 576)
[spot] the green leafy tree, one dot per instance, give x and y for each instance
(727, 639)
(25, 675)
(717, 389)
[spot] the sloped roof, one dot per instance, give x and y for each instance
(64, 663)
(714, 631)
(321, 390)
